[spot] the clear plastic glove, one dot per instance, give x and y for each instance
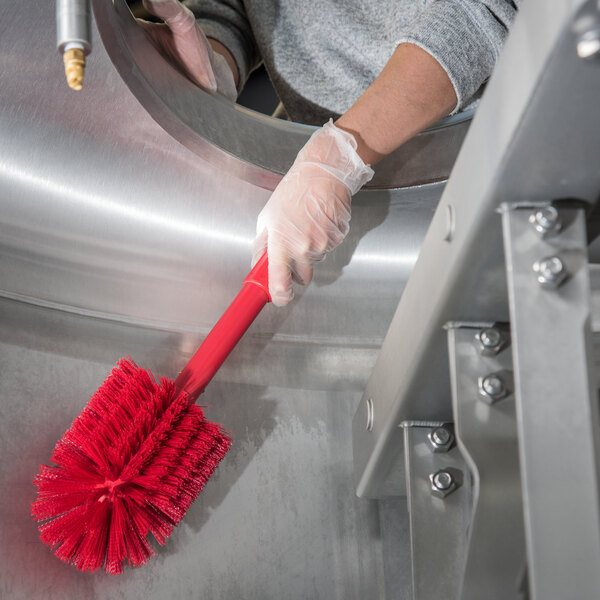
(308, 214)
(182, 41)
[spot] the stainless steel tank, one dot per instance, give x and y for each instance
(127, 217)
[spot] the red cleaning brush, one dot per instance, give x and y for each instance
(140, 452)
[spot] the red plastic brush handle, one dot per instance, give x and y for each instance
(228, 331)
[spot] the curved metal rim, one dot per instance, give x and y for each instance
(252, 146)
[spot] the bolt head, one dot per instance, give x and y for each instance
(442, 483)
(492, 385)
(491, 388)
(490, 338)
(441, 439)
(443, 480)
(550, 271)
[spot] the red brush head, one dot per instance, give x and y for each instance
(131, 464)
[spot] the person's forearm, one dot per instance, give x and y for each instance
(221, 49)
(412, 92)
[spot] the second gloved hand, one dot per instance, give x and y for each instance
(183, 42)
(308, 214)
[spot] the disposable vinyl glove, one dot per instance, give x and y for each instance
(183, 42)
(308, 214)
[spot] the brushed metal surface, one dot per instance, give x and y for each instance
(105, 214)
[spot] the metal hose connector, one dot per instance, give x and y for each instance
(73, 38)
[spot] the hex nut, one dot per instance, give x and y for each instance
(550, 272)
(546, 221)
(443, 483)
(491, 388)
(441, 439)
(490, 341)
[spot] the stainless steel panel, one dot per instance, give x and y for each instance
(255, 147)
(105, 214)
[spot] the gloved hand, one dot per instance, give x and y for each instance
(183, 42)
(308, 214)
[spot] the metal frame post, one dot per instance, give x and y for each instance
(486, 434)
(556, 399)
(439, 488)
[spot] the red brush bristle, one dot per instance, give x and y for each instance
(131, 464)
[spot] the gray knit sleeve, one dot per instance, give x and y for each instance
(226, 22)
(465, 37)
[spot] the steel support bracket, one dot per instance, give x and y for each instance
(439, 518)
(556, 404)
(486, 435)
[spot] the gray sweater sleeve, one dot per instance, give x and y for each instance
(226, 22)
(465, 37)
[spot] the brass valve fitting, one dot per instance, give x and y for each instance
(74, 60)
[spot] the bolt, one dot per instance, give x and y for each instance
(442, 483)
(441, 439)
(492, 388)
(551, 271)
(489, 341)
(546, 221)
(442, 480)
(440, 436)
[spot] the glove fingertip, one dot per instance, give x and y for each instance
(280, 282)
(281, 298)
